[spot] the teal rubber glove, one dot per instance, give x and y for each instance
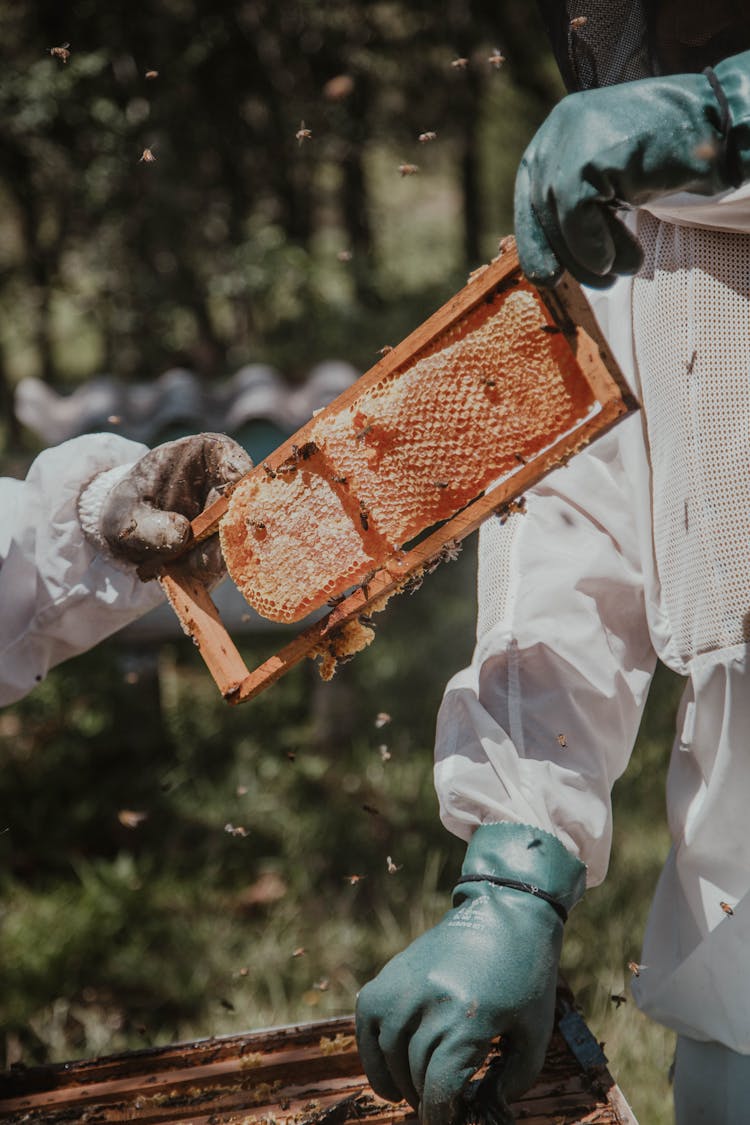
(489, 967)
(621, 146)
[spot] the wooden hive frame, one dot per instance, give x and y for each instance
(566, 311)
(308, 1074)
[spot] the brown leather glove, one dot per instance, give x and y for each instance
(145, 519)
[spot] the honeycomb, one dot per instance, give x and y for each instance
(411, 449)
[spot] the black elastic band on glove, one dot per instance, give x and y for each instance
(728, 162)
(517, 885)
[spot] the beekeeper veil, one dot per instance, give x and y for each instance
(604, 42)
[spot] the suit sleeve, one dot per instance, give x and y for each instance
(58, 595)
(542, 723)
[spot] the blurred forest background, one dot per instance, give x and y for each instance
(208, 185)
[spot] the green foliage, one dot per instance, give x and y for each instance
(228, 242)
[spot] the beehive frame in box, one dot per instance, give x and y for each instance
(494, 390)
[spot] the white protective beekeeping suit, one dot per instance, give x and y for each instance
(59, 595)
(637, 550)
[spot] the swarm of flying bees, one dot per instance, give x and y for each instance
(62, 52)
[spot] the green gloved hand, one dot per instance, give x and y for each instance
(489, 968)
(625, 145)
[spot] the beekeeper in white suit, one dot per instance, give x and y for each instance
(638, 551)
(90, 514)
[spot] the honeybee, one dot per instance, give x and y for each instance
(413, 583)
(362, 434)
(726, 908)
(352, 880)
(691, 363)
(391, 866)
(338, 87)
(578, 22)
(128, 818)
(302, 452)
(62, 53)
(268, 471)
(635, 968)
(460, 64)
(496, 59)
(147, 157)
(450, 551)
(385, 349)
(303, 134)
(425, 138)
(618, 999)
(337, 599)
(300, 951)
(408, 169)
(441, 484)
(385, 754)
(382, 719)
(364, 518)
(562, 740)
(151, 75)
(344, 255)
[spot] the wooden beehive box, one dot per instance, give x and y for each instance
(494, 390)
(308, 1074)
